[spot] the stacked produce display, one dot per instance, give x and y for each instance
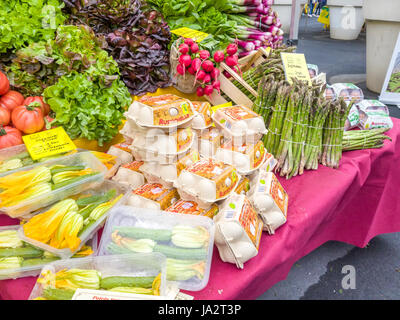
(185, 173)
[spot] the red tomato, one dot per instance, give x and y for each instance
(4, 84)
(4, 116)
(11, 100)
(9, 137)
(44, 106)
(28, 119)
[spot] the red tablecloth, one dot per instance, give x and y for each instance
(352, 204)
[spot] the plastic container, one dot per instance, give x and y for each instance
(348, 91)
(124, 216)
(133, 264)
(209, 141)
(238, 230)
(313, 70)
(153, 196)
(244, 186)
(245, 158)
(90, 231)
(191, 207)
(373, 115)
(208, 179)
(270, 200)
(330, 93)
(86, 159)
(122, 152)
(240, 123)
(202, 120)
(164, 111)
(166, 174)
(129, 175)
(353, 119)
(34, 270)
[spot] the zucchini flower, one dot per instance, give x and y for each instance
(11, 165)
(190, 237)
(11, 263)
(140, 245)
(8, 200)
(24, 179)
(156, 285)
(102, 209)
(181, 270)
(72, 279)
(137, 290)
(10, 239)
(67, 175)
(83, 252)
(66, 234)
(107, 159)
(43, 226)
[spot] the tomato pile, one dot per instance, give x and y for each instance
(19, 115)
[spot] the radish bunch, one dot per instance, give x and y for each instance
(204, 65)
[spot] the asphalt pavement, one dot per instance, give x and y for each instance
(318, 276)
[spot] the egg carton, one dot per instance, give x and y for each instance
(207, 180)
(348, 91)
(164, 111)
(270, 200)
(240, 124)
(153, 196)
(245, 158)
(238, 230)
(268, 165)
(129, 175)
(122, 152)
(209, 141)
(202, 120)
(191, 207)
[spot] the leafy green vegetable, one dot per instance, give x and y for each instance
(26, 21)
(86, 107)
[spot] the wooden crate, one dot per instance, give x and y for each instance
(229, 89)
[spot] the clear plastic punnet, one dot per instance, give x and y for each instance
(89, 231)
(348, 91)
(105, 272)
(85, 159)
(33, 259)
(186, 240)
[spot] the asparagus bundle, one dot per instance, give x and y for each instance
(364, 139)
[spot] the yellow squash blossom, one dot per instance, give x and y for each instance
(67, 175)
(77, 278)
(32, 192)
(66, 234)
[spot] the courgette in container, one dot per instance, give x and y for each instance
(58, 294)
(143, 233)
(25, 252)
(181, 253)
(117, 281)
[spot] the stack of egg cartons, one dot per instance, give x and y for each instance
(163, 143)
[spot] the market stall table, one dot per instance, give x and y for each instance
(352, 204)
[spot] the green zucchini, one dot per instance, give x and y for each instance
(181, 253)
(58, 294)
(24, 252)
(114, 282)
(37, 261)
(113, 248)
(66, 168)
(70, 181)
(97, 199)
(143, 233)
(85, 212)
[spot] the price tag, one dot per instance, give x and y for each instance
(196, 35)
(48, 143)
(224, 105)
(295, 67)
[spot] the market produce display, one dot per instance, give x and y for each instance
(364, 139)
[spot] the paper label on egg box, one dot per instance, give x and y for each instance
(295, 66)
(219, 106)
(48, 143)
(196, 35)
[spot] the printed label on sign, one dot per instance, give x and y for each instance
(88, 294)
(48, 143)
(295, 67)
(196, 35)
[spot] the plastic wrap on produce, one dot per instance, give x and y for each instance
(270, 200)
(238, 230)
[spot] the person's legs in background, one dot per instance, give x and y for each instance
(310, 8)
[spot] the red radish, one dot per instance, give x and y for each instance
(226, 74)
(200, 91)
(208, 90)
(196, 64)
(200, 75)
(191, 70)
(219, 56)
(215, 73)
(188, 41)
(207, 65)
(216, 85)
(207, 78)
(231, 49)
(231, 61)
(180, 69)
(194, 47)
(185, 59)
(204, 54)
(183, 48)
